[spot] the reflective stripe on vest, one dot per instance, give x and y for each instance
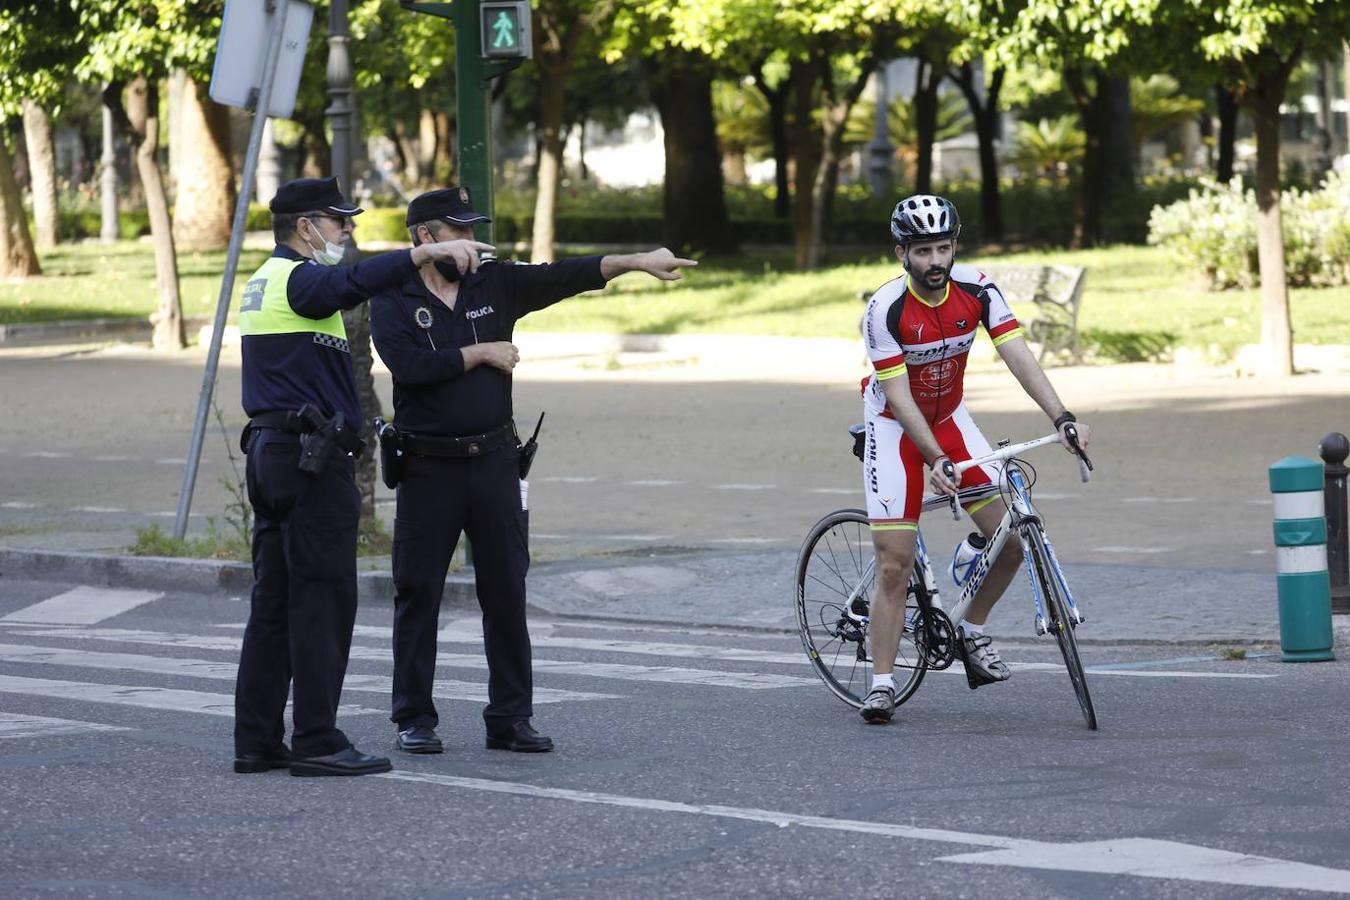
(265, 309)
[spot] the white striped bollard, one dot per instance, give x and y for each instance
(1303, 584)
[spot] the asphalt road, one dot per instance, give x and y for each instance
(691, 762)
(692, 453)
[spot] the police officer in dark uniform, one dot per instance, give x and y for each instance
(301, 442)
(447, 340)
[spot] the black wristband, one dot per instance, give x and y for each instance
(1065, 416)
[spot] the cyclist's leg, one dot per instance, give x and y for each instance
(893, 485)
(962, 439)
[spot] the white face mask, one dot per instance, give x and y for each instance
(330, 255)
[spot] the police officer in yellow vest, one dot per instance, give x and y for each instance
(300, 395)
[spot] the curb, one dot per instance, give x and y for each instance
(23, 334)
(206, 576)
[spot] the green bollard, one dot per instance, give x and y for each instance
(1302, 580)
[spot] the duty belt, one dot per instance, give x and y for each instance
(292, 423)
(467, 446)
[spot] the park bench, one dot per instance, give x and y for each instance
(1052, 295)
(1047, 299)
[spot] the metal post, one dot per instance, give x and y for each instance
(276, 10)
(109, 230)
(1334, 448)
(880, 151)
(471, 106)
(339, 111)
(1301, 560)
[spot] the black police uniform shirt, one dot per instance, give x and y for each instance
(282, 372)
(433, 395)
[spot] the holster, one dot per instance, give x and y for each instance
(391, 453)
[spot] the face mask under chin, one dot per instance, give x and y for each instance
(447, 270)
(330, 255)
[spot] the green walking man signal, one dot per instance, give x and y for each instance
(506, 29)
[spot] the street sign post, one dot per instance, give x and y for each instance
(279, 34)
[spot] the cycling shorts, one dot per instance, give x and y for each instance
(893, 467)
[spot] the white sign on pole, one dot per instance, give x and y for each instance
(241, 56)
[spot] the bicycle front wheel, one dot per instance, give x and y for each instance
(1049, 583)
(834, 573)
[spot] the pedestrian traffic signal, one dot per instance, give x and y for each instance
(506, 29)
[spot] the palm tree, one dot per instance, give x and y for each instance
(953, 120)
(742, 116)
(1156, 105)
(1048, 147)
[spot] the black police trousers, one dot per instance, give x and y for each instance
(304, 598)
(438, 499)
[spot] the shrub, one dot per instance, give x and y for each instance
(1214, 230)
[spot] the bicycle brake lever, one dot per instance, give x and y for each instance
(1084, 464)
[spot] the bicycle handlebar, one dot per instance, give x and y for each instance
(1005, 453)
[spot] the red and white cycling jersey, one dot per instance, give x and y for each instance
(905, 333)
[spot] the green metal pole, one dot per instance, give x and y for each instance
(474, 118)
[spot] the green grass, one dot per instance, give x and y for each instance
(1136, 303)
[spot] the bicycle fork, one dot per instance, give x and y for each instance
(1042, 621)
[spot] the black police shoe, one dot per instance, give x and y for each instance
(250, 763)
(419, 739)
(518, 737)
(345, 762)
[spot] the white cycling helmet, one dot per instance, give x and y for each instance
(924, 217)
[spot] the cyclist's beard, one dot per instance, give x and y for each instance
(922, 277)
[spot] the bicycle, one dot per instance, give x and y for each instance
(836, 561)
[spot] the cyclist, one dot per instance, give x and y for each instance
(919, 329)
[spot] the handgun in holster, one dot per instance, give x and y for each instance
(391, 452)
(527, 450)
(322, 439)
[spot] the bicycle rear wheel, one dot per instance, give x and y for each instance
(834, 567)
(1060, 623)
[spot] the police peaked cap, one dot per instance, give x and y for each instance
(313, 195)
(449, 204)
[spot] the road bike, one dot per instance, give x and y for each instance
(835, 572)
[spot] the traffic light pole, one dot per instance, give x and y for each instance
(473, 76)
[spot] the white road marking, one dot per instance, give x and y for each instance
(164, 699)
(1137, 499)
(571, 479)
(837, 491)
(1138, 857)
(1115, 549)
(745, 487)
(17, 725)
(18, 504)
(644, 538)
(171, 461)
(97, 509)
(82, 606)
(1264, 501)
(1261, 552)
(110, 459)
(658, 674)
(745, 540)
(46, 454)
(1179, 500)
(653, 482)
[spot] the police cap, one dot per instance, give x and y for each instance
(449, 204)
(313, 195)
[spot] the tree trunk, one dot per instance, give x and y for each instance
(204, 210)
(929, 77)
(426, 147)
(18, 259)
(37, 132)
(805, 153)
(109, 227)
(986, 131)
(835, 109)
(694, 200)
(443, 168)
(1277, 343)
(1228, 116)
(1108, 163)
(549, 132)
(142, 118)
(778, 136)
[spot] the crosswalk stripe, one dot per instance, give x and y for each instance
(658, 674)
(17, 725)
(81, 606)
(165, 699)
(205, 668)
